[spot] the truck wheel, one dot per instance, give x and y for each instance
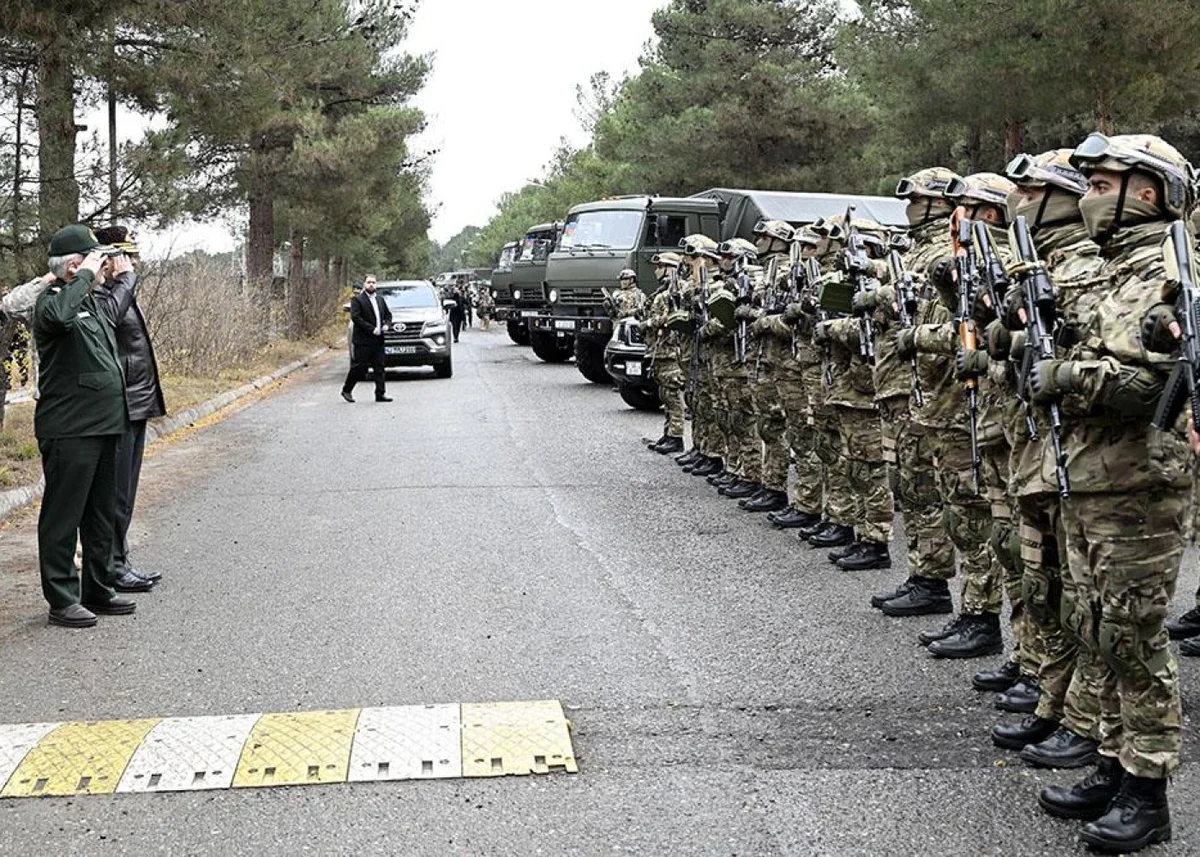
(518, 332)
(589, 360)
(639, 398)
(445, 369)
(546, 347)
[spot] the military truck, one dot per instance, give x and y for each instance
(598, 240)
(501, 278)
(528, 279)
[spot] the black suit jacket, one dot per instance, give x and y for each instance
(363, 318)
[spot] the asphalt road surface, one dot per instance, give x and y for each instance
(504, 535)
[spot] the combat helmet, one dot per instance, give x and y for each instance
(666, 260)
(737, 248)
(1145, 153)
(698, 244)
(1052, 168)
(982, 189)
(929, 182)
(780, 229)
(627, 274)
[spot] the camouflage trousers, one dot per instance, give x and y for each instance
(930, 552)
(862, 458)
(806, 492)
(967, 518)
(1123, 553)
(772, 427)
(743, 449)
(1003, 575)
(706, 417)
(1066, 672)
(670, 380)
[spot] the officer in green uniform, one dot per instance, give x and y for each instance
(79, 419)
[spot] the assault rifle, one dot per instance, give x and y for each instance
(743, 298)
(857, 265)
(906, 308)
(1039, 339)
(1181, 385)
(770, 306)
(812, 273)
(702, 308)
(673, 290)
(967, 268)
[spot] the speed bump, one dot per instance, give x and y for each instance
(180, 754)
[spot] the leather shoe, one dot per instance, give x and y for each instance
(869, 555)
(926, 597)
(689, 457)
(152, 576)
(997, 680)
(767, 501)
(927, 637)
(1190, 647)
(346, 395)
(757, 494)
(1063, 749)
(1187, 625)
(877, 601)
(834, 535)
(1017, 736)
(1088, 798)
(791, 519)
(383, 398)
(1021, 698)
(978, 637)
(845, 550)
(1137, 817)
(72, 616)
(708, 467)
(113, 607)
(813, 528)
(653, 443)
(720, 480)
(130, 582)
(669, 446)
(740, 489)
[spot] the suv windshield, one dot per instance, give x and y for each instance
(616, 229)
(409, 297)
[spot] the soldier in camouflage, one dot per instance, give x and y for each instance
(662, 351)
(700, 252)
(628, 300)
(1129, 482)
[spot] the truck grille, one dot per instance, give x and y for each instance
(581, 297)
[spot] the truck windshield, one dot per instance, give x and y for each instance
(536, 247)
(616, 229)
(506, 259)
(414, 297)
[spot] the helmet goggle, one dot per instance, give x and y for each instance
(1098, 148)
(659, 261)
(1024, 169)
(906, 188)
(806, 238)
(773, 230)
(827, 228)
(691, 249)
(728, 248)
(958, 188)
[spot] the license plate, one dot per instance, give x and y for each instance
(400, 349)
(564, 325)
(528, 313)
(634, 368)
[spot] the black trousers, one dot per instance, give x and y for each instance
(130, 450)
(80, 498)
(366, 357)
(456, 322)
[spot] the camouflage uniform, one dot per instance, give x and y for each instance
(743, 455)
(663, 352)
(628, 300)
(764, 354)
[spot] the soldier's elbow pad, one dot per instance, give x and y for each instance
(1133, 391)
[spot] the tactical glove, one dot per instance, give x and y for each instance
(1135, 391)
(712, 329)
(820, 333)
(746, 312)
(865, 301)
(997, 340)
(1050, 379)
(1156, 329)
(906, 344)
(793, 313)
(969, 363)
(1014, 308)
(944, 275)
(759, 326)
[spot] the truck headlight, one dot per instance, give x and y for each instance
(554, 296)
(516, 294)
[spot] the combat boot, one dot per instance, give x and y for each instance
(669, 446)
(766, 501)
(740, 489)
(1187, 625)
(834, 535)
(689, 457)
(708, 467)
(650, 444)
(1138, 816)
(1021, 698)
(1017, 736)
(978, 637)
(815, 527)
(927, 596)
(997, 680)
(947, 630)
(845, 550)
(1089, 797)
(720, 480)
(1190, 647)
(877, 601)
(868, 556)
(792, 519)
(1063, 749)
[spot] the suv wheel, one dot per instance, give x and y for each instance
(639, 398)
(445, 369)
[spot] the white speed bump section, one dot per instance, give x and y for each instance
(409, 742)
(15, 743)
(188, 754)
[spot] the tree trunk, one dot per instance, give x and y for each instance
(975, 149)
(339, 268)
(260, 244)
(1014, 137)
(18, 153)
(296, 293)
(1104, 121)
(58, 192)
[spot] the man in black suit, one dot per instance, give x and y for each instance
(370, 316)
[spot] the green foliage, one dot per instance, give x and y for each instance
(453, 254)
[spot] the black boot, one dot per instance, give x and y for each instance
(1138, 816)
(868, 556)
(792, 519)
(834, 535)
(708, 467)
(766, 501)
(669, 446)
(813, 528)
(927, 597)
(689, 457)
(877, 601)
(1089, 797)
(947, 630)
(1016, 736)
(998, 680)
(722, 479)
(740, 489)
(845, 550)
(653, 443)
(1021, 698)
(1190, 647)
(1063, 749)
(978, 637)
(1187, 625)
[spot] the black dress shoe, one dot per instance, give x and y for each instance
(1137, 818)
(72, 616)
(669, 446)
(1030, 730)
(346, 395)
(1190, 647)
(1063, 749)
(877, 601)
(767, 501)
(1089, 797)
(869, 555)
(152, 576)
(130, 582)
(383, 398)
(1021, 698)
(977, 637)
(113, 607)
(997, 680)
(925, 598)
(740, 489)
(1187, 625)
(689, 457)
(834, 535)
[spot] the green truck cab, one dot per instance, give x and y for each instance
(528, 296)
(598, 240)
(501, 279)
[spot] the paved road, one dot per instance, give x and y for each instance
(501, 536)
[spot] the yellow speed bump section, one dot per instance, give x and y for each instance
(78, 759)
(515, 738)
(302, 748)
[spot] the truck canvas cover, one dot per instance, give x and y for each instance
(742, 209)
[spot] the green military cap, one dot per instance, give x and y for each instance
(73, 239)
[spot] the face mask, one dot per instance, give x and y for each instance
(1059, 208)
(1100, 214)
(924, 209)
